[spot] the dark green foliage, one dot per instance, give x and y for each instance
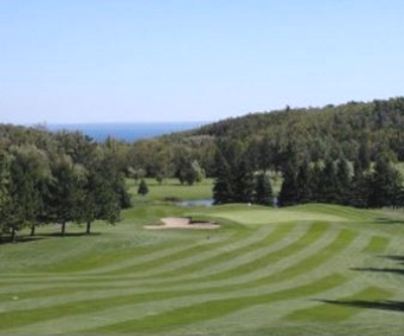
(243, 183)
(66, 191)
(223, 187)
(189, 171)
(102, 193)
(343, 182)
(304, 188)
(360, 189)
(5, 197)
(234, 175)
(385, 184)
(348, 130)
(329, 183)
(58, 178)
(315, 182)
(289, 190)
(143, 188)
(263, 194)
(28, 171)
(364, 155)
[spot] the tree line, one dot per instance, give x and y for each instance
(361, 183)
(316, 133)
(58, 178)
(373, 185)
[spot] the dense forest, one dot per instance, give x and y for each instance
(314, 133)
(342, 154)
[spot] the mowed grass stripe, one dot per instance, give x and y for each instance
(314, 232)
(34, 292)
(341, 309)
(197, 248)
(278, 234)
(200, 253)
(214, 309)
(11, 319)
(171, 254)
(377, 244)
(93, 260)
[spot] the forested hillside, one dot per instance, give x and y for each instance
(352, 149)
(315, 133)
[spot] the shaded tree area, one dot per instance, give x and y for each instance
(236, 181)
(57, 178)
(336, 182)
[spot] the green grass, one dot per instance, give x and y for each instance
(334, 312)
(172, 188)
(291, 271)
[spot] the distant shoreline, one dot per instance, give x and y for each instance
(125, 131)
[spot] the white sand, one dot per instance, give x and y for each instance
(181, 223)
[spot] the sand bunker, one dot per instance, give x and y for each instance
(182, 223)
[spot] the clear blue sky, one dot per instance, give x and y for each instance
(171, 60)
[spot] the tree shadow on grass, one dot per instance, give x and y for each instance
(399, 259)
(397, 306)
(399, 271)
(70, 234)
(387, 220)
(27, 239)
(20, 239)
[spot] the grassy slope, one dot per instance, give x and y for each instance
(312, 269)
(172, 188)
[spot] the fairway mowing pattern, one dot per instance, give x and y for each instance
(190, 283)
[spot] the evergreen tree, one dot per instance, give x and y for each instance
(101, 199)
(288, 193)
(329, 183)
(315, 182)
(263, 194)
(303, 184)
(364, 155)
(343, 182)
(5, 197)
(223, 186)
(385, 183)
(66, 191)
(143, 188)
(28, 170)
(243, 183)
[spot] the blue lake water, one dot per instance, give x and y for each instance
(126, 131)
(195, 203)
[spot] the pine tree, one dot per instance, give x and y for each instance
(288, 193)
(28, 169)
(315, 182)
(344, 181)
(303, 184)
(143, 188)
(66, 191)
(360, 188)
(101, 196)
(329, 183)
(243, 183)
(364, 155)
(5, 197)
(223, 188)
(385, 183)
(263, 194)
